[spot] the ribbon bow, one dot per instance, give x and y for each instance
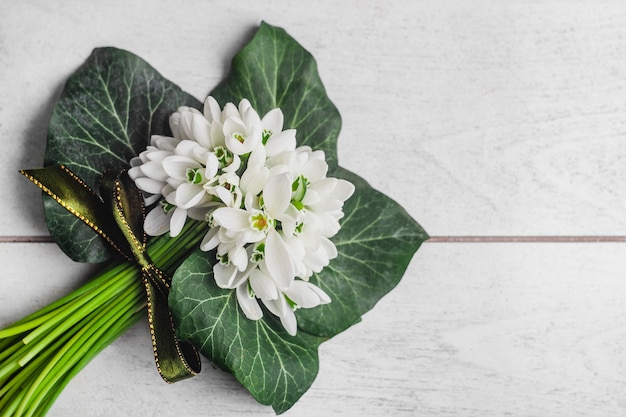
(118, 218)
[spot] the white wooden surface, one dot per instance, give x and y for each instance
(481, 117)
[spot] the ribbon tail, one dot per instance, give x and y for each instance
(175, 359)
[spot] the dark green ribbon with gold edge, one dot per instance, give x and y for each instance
(118, 218)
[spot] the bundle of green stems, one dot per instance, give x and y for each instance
(41, 353)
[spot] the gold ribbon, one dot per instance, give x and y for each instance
(118, 218)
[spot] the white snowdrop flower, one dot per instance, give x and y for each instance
(324, 203)
(275, 139)
(212, 111)
(248, 303)
(262, 285)
(226, 188)
(253, 224)
(282, 303)
(146, 169)
(227, 272)
(256, 174)
(269, 205)
(280, 308)
(301, 294)
(165, 218)
(164, 143)
(242, 134)
(188, 170)
(189, 124)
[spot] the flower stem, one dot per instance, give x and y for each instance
(68, 355)
(41, 353)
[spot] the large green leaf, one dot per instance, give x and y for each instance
(376, 243)
(272, 71)
(275, 367)
(106, 114)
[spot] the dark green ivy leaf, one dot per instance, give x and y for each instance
(272, 71)
(275, 367)
(106, 114)
(376, 243)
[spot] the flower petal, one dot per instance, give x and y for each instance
(231, 218)
(200, 212)
(262, 285)
(329, 247)
(135, 171)
(154, 170)
(311, 197)
(165, 143)
(315, 170)
(239, 258)
(150, 199)
(257, 158)
(210, 240)
(273, 121)
(252, 182)
(278, 260)
(212, 109)
(224, 275)
(230, 111)
(175, 123)
(223, 194)
(149, 185)
(343, 190)
(190, 149)
(307, 295)
(157, 155)
(249, 305)
(277, 194)
(281, 142)
(217, 134)
(177, 221)
(244, 106)
(233, 125)
(325, 186)
(252, 120)
(201, 128)
(156, 222)
(234, 165)
(280, 308)
(290, 219)
(176, 166)
(189, 195)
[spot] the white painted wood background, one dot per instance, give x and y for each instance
(482, 118)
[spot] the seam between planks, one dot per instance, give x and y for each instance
(525, 239)
(433, 239)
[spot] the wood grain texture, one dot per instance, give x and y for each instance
(481, 117)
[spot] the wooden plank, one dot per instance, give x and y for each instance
(473, 329)
(481, 117)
